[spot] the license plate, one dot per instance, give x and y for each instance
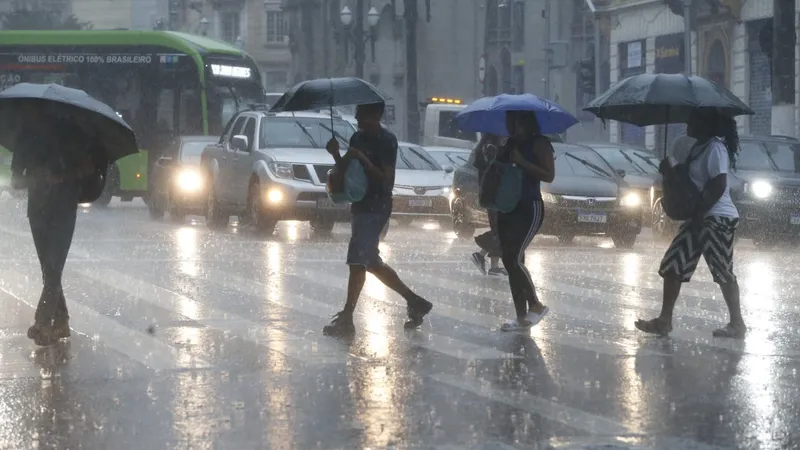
(326, 203)
(592, 217)
(795, 219)
(420, 202)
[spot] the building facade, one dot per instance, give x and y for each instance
(750, 47)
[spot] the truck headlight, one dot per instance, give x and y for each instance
(281, 170)
(631, 200)
(189, 180)
(760, 189)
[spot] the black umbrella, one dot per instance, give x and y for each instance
(324, 93)
(652, 99)
(97, 120)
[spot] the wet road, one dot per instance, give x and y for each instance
(186, 338)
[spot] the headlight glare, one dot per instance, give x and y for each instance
(281, 170)
(631, 200)
(761, 189)
(189, 180)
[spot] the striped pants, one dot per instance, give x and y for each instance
(713, 239)
(516, 230)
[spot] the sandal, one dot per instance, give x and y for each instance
(731, 331)
(653, 326)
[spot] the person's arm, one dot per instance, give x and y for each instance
(544, 171)
(717, 167)
(383, 172)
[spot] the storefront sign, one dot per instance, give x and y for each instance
(220, 70)
(669, 53)
(634, 54)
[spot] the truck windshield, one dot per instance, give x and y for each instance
(301, 132)
(752, 156)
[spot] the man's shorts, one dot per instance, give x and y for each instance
(366, 236)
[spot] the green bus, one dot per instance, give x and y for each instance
(164, 84)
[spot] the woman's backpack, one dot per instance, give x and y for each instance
(500, 186)
(347, 187)
(681, 197)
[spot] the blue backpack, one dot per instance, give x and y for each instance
(354, 184)
(500, 187)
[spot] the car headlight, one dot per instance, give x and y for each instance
(631, 200)
(760, 189)
(189, 180)
(446, 190)
(281, 170)
(549, 198)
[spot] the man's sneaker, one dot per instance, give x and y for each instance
(42, 334)
(417, 310)
(341, 325)
(61, 329)
(479, 261)
(498, 272)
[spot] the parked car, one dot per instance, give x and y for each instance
(421, 186)
(178, 183)
(449, 156)
(639, 167)
(765, 186)
(586, 198)
(269, 167)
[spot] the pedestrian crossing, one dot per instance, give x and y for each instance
(463, 325)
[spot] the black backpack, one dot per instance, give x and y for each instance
(681, 196)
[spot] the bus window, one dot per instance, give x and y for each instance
(191, 121)
(449, 129)
(165, 114)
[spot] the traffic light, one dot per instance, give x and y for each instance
(586, 76)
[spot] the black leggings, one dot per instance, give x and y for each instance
(516, 230)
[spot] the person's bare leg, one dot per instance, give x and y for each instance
(662, 325)
(735, 328)
(495, 263)
(355, 284)
(417, 308)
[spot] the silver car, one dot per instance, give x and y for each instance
(269, 167)
(421, 186)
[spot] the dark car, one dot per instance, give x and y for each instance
(586, 198)
(765, 187)
(178, 183)
(639, 167)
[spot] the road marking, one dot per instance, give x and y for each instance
(548, 409)
(307, 350)
(139, 346)
(431, 341)
(461, 314)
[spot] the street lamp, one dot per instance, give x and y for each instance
(357, 34)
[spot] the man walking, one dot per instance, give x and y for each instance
(376, 149)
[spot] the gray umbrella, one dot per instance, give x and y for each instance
(324, 93)
(652, 99)
(96, 119)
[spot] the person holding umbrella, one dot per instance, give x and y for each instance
(376, 149)
(526, 119)
(697, 191)
(62, 141)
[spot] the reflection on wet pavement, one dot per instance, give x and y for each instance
(186, 338)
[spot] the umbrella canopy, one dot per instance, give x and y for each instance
(324, 93)
(94, 118)
(652, 99)
(488, 114)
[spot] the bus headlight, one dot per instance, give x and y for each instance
(631, 200)
(761, 189)
(189, 180)
(281, 170)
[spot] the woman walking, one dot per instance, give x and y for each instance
(488, 242)
(711, 232)
(532, 152)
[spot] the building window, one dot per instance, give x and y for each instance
(276, 80)
(231, 26)
(277, 28)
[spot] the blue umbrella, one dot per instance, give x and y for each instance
(488, 114)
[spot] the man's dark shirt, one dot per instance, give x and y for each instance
(381, 149)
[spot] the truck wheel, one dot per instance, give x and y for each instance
(156, 209)
(216, 218)
(112, 183)
(257, 221)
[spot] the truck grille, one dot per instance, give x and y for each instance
(322, 172)
(301, 172)
(787, 195)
